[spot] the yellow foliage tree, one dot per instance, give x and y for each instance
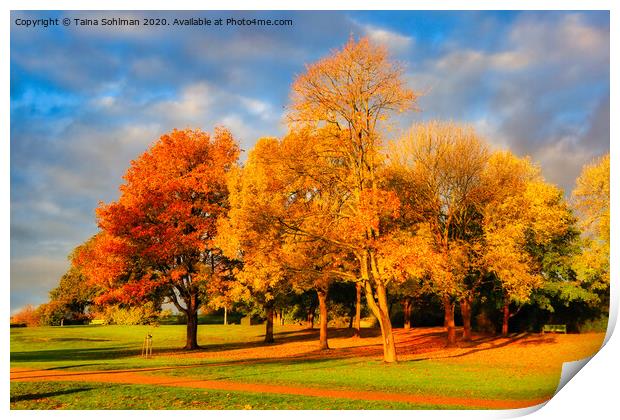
(344, 100)
(250, 233)
(522, 210)
(591, 200)
(437, 169)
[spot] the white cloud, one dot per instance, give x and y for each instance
(527, 94)
(204, 105)
(570, 36)
(561, 161)
(193, 103)
(394, 41)
(257, 107)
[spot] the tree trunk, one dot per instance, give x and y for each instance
(377, 301)
(379, 307)
(389, 346)
(358, 309)
(310, 318)
(407, 313)
(322, 294)
(506, 317)
(191, 342)
(225, 316)
(466, 314)
(269, 324)
(281, 317)
(448, 307)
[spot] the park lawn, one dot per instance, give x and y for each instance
(475, 380)
(99, 347)
(99, 396)
(523, 367)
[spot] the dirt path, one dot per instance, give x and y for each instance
(131, 377)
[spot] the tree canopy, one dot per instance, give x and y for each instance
(158, 237)
(434, 214)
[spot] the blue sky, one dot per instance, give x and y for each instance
(87, 100)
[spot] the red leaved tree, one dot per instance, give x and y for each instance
(157, 239)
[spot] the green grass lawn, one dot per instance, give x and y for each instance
(118, 347)
(80, 396)
(409, 377)
(114, 346)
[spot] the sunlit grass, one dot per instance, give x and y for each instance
(526, 367)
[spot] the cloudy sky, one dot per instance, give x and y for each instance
(87, 100)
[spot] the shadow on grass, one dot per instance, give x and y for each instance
(284, 337)
(72, 366)
(539, 340)
(96, 340)
(59, 355)
(408, 343)
(474, 346)
(38, 396)
(313, 333)
(290, 363)
(120, 352)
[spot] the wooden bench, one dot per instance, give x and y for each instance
(554, 328)
(96, 322)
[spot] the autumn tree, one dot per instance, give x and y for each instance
(312, 267)
(266, 200)
(591, 200)
(222, 290)
(250, 232)
(157, 238)
(562, 291)
(346, 99)
(28, 316)
(575, 262)
(320, 227)
(525, 213)
(70, 298)
(73, 291)
(438, 171)
(407, 292)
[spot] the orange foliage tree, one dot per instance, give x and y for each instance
(345, 100)
(158, 237)
(28, 316)
(264, 206)
(437, 170)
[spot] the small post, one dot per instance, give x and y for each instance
(147, 346)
